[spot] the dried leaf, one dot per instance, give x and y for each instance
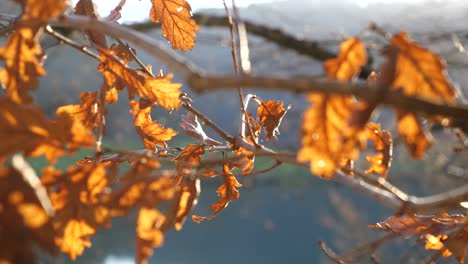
(87, 112)
(194, 129)
(177, 25)
(89, 9)
(29, 130)
(77, 199)
(351, 57)
(187, 160)
(420, 72)
(227, 192)
(23, 65)
(152, 133)
(415, 136)
(148, 231)
(43, 10)
(382, 139)
(329, 139)
(324, 129)
(271, 113)
(183, 203)
(444, 232)
(156, 89)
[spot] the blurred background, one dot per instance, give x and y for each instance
(281, 215)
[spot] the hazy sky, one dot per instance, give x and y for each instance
(135, 10)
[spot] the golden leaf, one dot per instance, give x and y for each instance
(183, 203)
(328, 139)
(156, 89)
(227, 192)
(29, 130)
(22, 56)
(187, 159)
(76, 195)
(420, 72)
(351, 57)
(383, 144)
(413, 133)
(87, 112)
(323, 128)
(152, 133)
(43, 10)
(149, 235)
(271, 113)
(177, 25)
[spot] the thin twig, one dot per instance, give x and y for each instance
(208, 122)
(71, 43)
(265, 170)
(134, 56)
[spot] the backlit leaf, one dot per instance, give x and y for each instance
(271, 113)
(23, 65)
(152, 133)
(351, 57)
(148, 231)
(414, 134)
(77, 198)
(156, 89)
(183, 203)
(382, 139)
(43, 10)
(29, 130)
(177, 25)
(328, 141)
(188, 159)
(227, 192)
(420, 72)
(87, 112)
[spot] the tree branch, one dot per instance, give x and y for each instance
(201, 82)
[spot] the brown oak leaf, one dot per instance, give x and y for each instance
(271, 113)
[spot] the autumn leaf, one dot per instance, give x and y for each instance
(156, 89)
(444, 232)
(77, 196)
(182, 204)
(328, 140)
(24, 221)
(177, 25)
(43, 10)
(29, 130)
(420, 72)
(88, 8)
(87, 112)
(188, 159)
(414, 134)
(152, 133)
(227, 192)
(271, 113)
(351, 57)
(23, 65)
(148, 231)
(382, 139)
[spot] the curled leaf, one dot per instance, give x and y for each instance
(152, 133)
(227, 192)
(194, 129)
(271, 113)
(382, 139)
